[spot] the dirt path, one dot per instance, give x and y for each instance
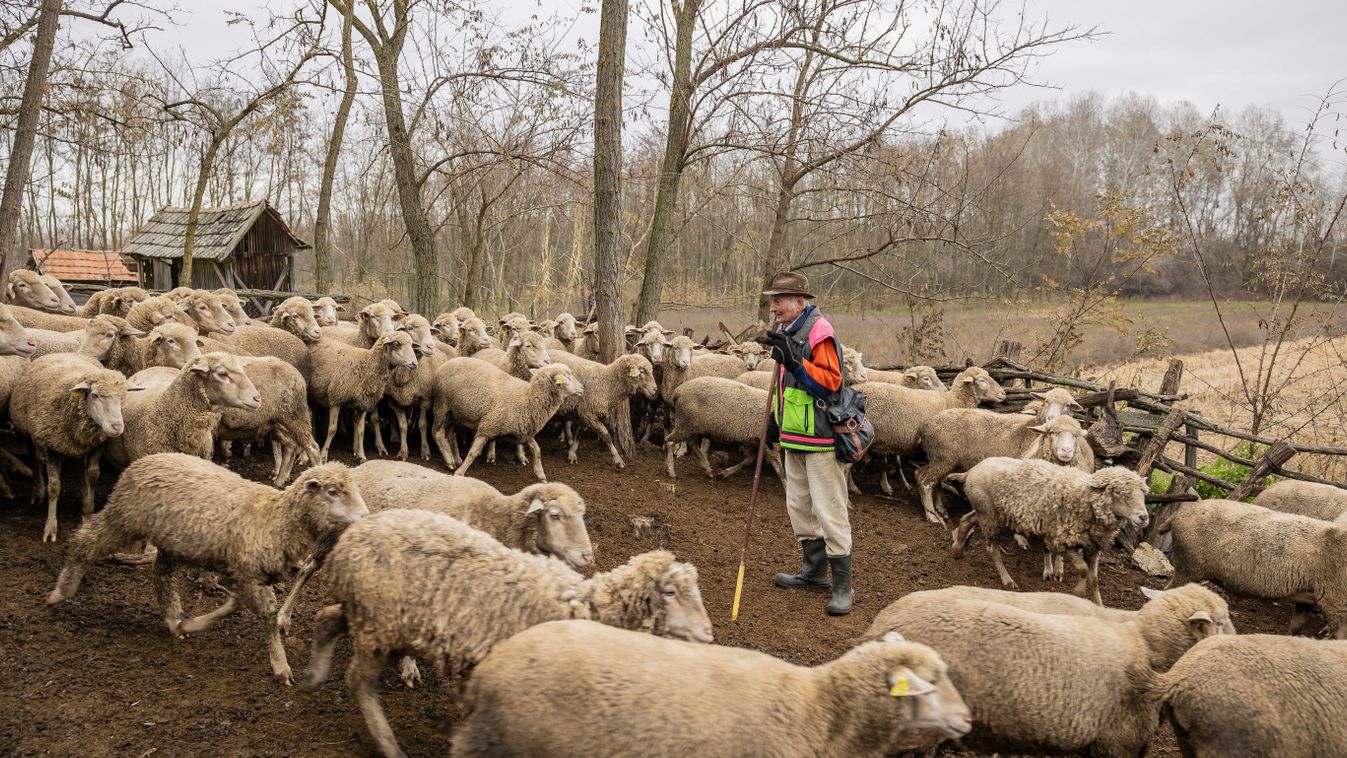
(100, 675)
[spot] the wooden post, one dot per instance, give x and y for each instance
(1279, 453)
(1009, 351)
(1190, 451)
(1170, 384)
(1156, 448)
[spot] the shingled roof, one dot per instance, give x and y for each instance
(218, 231)
(71, 265)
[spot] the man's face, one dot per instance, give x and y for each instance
(786, 308)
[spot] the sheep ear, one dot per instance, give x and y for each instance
(1082, 434)
(892, 636)
(9, 291)
(362, 317)
(67, 287)
(1040, 395)
(201, 344)
(399, 316)
(535, 506)
(341, 308)
(514, 343)
(904, 683)
(199, 366)
(630, 330)
(158, 339)
(313, 485)
(80, 389)
(1073, 405)
(534, 371)
(1202, 623)
(1041, 428)
(911, 373)
(130, 331)
(1095, 483)
(435, 330)
(1150, 593)
(668, 332)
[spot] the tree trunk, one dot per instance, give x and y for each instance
(426, 290)
(198, 196)
(662, 223)
(25, 134)
(322, 225)
(607, 198)
(774, 261)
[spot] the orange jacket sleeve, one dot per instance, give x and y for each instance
(823, 366)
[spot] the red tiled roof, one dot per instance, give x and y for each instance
(98, 266)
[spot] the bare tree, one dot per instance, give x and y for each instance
(607, 197)
(322, 224)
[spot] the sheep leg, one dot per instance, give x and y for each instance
(277, 457)
(328, 624)
(423, 424)
(401, 413)
(262, 602)
(13, 465)
(963, 532)
(601, 429)
(995, 551)
(491, 452)
(306, 569)
(166, 592)
(749, 457)
(5, 490)
(1083, 568)
(669, 458)
(359, 444)
(478, 442)
(851, 481)
(1300, 617)
(884, 485)
(572, 443)
(928, 479)
(774, 458)
(409, 672)
(1058, 567)
(700, 448)
(537, 460)
(207, 620)
(362, 679)
(519, 454)
(90, 478)
(227, 451)
(378, 425)
(52, 464)
(333, 416)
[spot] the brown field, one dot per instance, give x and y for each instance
(973, 329)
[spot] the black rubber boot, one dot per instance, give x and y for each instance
(843, 598)
(813, 572)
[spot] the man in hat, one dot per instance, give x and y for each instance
(808, 371)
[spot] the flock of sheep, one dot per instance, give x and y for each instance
(486, 587)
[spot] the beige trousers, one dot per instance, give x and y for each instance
(816, 499)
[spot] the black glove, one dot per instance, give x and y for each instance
(783, 350)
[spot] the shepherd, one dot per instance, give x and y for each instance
(809, 371)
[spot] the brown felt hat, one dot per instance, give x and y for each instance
(789, 283)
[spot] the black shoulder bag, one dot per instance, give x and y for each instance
(852, 431)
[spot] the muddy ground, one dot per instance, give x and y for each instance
(101, 676)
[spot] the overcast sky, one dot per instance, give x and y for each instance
(1231, 53)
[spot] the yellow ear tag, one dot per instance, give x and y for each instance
(899, 688)
(633, 372)
(560, 379)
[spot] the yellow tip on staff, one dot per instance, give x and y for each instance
(753, 496)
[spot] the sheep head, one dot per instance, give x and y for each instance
(27, 289)
(14, 337)
(559, 517)
(225, 382)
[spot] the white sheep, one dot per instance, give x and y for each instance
(377, 574)
(477, 395)
(68, 406)
(1321, 501)
(326, 311)
(871, 701)
(1252, 551)
(199, 514)
(1065, 507)
(715, 408)
(26, 289)
(1053, 683)
(292, 329)
(606, 389)
(62, 292)
(283, 416)
(345, 376)
(233, 305)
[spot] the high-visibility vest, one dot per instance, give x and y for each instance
(801, 417)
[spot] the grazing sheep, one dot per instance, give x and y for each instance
(377, 573)
(1065, 507)
(521, 356)
(26, 289)
(1258, 696)
(199, 514)
(871, 701)
(62, 292)
(178, 410)
(481, 397)
(712, 407)
(472, 337)
(345, 376)
(1321, 501)
(959, 438)
(171, 344)
(233, 305)
(283, 416)
(898, 412)
(1250, 550)
(153, 311)
(293, 328)
(68, 406)
(607, 388)
(325, 310)
(1057, 684)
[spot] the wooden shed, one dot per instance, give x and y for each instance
(246, 246)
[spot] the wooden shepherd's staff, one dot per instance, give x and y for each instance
(753, 496)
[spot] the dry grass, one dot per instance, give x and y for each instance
(971, 330)
(1310, 407)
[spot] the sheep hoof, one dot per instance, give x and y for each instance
(619, 465)
(572, 458)
(285, 677)
(410, 674)
(283, 625)
(49, 531)
(1023, 543)
(402, 456)
(176, 629)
